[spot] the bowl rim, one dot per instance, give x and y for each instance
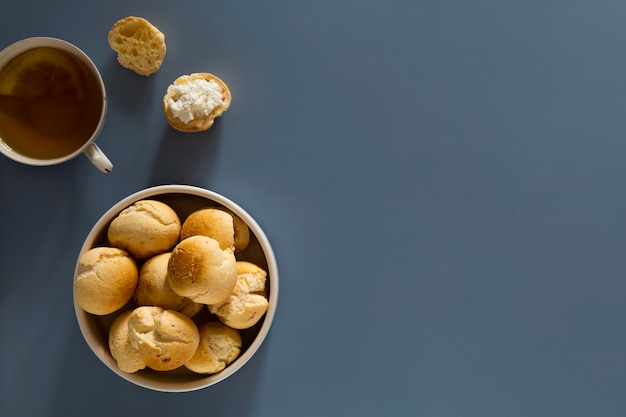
(138, 378)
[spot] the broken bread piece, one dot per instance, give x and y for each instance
(219, 346)
(140, 46)
(248, 303)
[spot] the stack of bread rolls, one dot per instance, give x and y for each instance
(157, 273)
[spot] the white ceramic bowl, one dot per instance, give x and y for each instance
(184, 200)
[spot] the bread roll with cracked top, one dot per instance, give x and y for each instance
(248, 302)
(165, 339)
(192, 102)
(200, 270)
(219, 346)
(145, 229)
(105, 280)
(154, 290)
(127, 357)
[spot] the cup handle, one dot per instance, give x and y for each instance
(98, 158)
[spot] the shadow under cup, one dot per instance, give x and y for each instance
(52, 102)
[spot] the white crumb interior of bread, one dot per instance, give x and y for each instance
(247, 303)
(194, 99)
(139, 44)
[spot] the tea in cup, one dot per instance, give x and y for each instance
(52, 103)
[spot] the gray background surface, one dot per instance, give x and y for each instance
(442, 182)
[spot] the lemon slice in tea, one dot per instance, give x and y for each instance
(43, 73)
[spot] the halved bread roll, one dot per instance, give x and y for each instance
(140, 46)
(192, 102)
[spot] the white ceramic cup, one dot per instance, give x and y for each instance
(89, 147)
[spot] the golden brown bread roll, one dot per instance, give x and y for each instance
(146, 228)
(220, 224)
(211, 222)
(165, 339)
(248, 302)
(154, 290)
(200, 270)
(126, 356)
(242, 232)
(140, 46)
(105, 281)
(192, 102)
(219, 346)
